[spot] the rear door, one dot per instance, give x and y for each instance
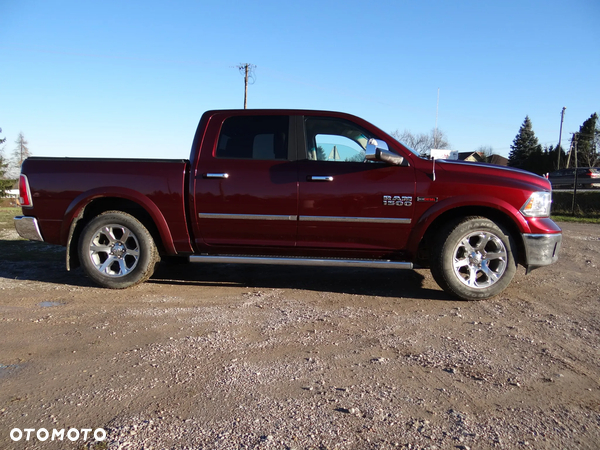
(344, 202)
(246, 183)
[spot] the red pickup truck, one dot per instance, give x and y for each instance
(298, 188)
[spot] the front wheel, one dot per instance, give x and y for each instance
(117, 251)
(473, 259)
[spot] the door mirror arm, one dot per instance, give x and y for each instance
(378, 150)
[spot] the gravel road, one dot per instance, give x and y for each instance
(239, 357)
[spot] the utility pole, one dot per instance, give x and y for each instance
(575, 138)
(573, 147)
(437, 108)
(246, 70)
(562, 118)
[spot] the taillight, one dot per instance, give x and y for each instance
(24, 192)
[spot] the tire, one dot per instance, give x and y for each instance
(116, 251)
(473, 259)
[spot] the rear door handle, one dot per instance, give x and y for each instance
(320, 178)
(216, 175)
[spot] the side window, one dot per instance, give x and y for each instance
(330, 139)
(254, 137)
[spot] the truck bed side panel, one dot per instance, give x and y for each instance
(61, 187)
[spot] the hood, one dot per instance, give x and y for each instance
(483, 173)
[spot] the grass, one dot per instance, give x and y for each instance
(21, 249)
(6, 217)
(565, 218)
(587, 205)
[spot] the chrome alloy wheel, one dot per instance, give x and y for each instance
(479, 259)
(114, 250)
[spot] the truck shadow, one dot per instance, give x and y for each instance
(33, 261)
(356, 281)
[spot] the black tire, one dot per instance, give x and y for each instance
(473, 258)
(117, 251)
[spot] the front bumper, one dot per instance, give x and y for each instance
(541, 249)
(28, 228)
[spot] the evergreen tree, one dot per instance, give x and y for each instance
(321, 156)
(525, 151)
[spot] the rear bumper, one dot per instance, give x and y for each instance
(541, 249)
(28, 228)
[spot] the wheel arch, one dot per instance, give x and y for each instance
(85, 208)
(433, 226)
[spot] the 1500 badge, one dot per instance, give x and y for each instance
(396, 200)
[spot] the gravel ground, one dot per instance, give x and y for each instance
(238, 357)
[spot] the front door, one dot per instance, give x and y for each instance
(346, 203)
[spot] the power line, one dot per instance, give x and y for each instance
(562, 118)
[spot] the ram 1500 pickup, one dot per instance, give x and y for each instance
(292, 187)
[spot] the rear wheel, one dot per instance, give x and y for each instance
(117, 251)
(473, 259)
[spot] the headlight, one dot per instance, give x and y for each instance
(538, 205)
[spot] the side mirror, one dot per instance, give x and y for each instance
(378, 150)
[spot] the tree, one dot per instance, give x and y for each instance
(525, 151)
(587, 151)
(321, 156)
(21, 151)
(552, 158)
(486, 152)
(5, 184)
(423, 143)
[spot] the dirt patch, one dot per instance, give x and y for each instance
(233, 357)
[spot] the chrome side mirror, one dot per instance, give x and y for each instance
(378, 150)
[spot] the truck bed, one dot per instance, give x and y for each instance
(64, 186)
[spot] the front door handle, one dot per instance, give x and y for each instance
(320, 178)
(216, 175)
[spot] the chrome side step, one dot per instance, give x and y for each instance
(301, 261)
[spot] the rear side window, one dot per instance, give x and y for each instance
(254, 137)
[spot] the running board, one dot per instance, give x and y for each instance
(300, 261)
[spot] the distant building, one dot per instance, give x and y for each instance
(11, 193)
(478, 157)
(498, 160)
(444, 154)
(470, 156)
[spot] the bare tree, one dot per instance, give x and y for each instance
(5, 183)
(423, 143)
(21, 151)
(485, 151)
(590, 157)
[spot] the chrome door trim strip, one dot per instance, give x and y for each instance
(300, 261)
(304, 218)
(353, 219)
(247, 216)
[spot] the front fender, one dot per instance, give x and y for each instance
(471, 205)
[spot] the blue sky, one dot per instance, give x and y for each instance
(132, 78)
